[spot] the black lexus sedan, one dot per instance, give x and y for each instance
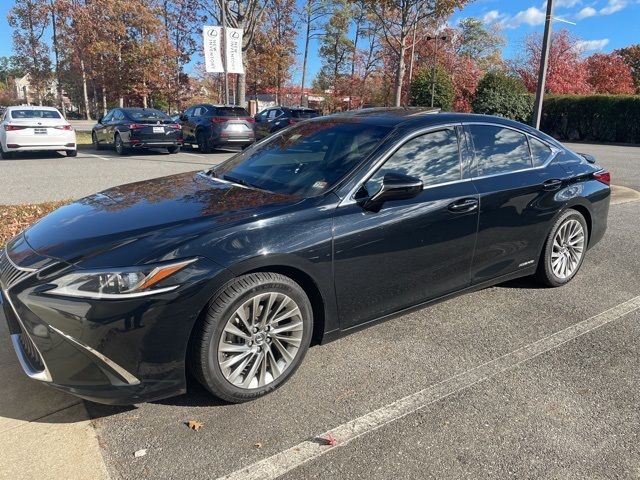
(136, 128)
(217, 126)
(326, 227)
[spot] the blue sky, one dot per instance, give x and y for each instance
(604, 25)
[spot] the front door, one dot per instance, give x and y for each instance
(410, 251)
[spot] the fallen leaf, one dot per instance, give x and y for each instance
(194, 425)
(331, 440)
(258, 445)
(140, 453)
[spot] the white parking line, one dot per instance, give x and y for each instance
(194, 154)
(97, 156)
(297, 455)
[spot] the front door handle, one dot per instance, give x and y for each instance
(464, 205)
(553, 184)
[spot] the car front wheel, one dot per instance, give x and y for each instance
(253, 337)
(564, 250)
(174, 149)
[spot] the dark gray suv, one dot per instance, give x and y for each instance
(215, 126)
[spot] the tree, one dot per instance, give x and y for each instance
(503, 95)
(444, 92)
(608, 73)
(631, 56)
(313, 12)
(29, 20)
(335, 51)
(9, 69)
(566, 73)
(397, 20)
(480, 43)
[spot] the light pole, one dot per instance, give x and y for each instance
(435, 63)
(544, 59)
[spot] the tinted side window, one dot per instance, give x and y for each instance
(499, 150)
(272, 114)
(108, 117)
(433, 158)
(118, 115)
(540, 152)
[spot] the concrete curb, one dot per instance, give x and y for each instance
(620, 194)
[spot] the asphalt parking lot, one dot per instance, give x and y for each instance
(514, 381)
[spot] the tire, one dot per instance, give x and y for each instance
(72, 153)
(6, 155)
(204, 145)
(119, 144)
(206, 359)
(94, 140)
(174, 149)
(564, 250)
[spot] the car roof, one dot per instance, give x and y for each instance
(136, 109)
(31, 107)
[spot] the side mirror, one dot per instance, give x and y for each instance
(395, 186)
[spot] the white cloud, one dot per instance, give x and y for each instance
(613, 6)
(586, 12)
(592, 45)
(530, 16)
(491, 16)
(567, 3)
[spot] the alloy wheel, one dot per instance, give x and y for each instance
(118, 145)
(260, 340)
(568, 248)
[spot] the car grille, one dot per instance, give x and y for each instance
(9, 273)
(31, 352)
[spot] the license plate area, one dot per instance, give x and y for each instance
(158, 129)
(40, 131)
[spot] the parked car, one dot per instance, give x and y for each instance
(273, 119)
(36, 129)
(321, 229)
(214, 126)
(136, 128)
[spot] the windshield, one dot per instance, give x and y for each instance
(231, 112)
(34, 114)
(306, 159)
(148, 115)
(304, 113)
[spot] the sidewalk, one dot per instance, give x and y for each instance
(44, 434)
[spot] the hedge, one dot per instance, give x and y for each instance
(601, 118)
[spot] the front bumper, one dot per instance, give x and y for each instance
(117, 352)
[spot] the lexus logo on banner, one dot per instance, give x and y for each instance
(212, 41)
(233, 50)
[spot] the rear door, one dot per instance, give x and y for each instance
(516, 198)
(101, 132)
(411, 250)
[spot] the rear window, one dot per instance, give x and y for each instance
(304, 113)
(231, 112)
(148, 115)
(34, 114)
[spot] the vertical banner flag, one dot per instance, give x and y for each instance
(212, 37)
(233, 50)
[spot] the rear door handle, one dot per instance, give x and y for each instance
(552, 184)
(464, 205)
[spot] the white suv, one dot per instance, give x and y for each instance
(29, 129)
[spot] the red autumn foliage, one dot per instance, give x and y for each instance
(608, 73)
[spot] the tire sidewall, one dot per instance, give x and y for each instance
(211, 368)
(548, 269)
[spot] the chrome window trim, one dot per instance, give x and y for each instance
(44, 375)
(126, 376)
(349, 198)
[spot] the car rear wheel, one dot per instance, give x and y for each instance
(94, 140)
(174, 149)
(564, 250)
(5, 155)
(253, 337)
(204, 145)
(120, 148)
(72, 153)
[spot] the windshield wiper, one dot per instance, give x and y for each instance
(239, 181)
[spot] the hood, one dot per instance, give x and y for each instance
(173, 208)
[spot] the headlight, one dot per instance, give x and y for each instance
(118, 283)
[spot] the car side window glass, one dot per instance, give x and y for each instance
(540, 152)
(118, 115)
(499, 150)
(262, 116)
(189, 112)
(204, 111)
(107, 118)
(272, 114)
(197, 112)
(433, 157)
